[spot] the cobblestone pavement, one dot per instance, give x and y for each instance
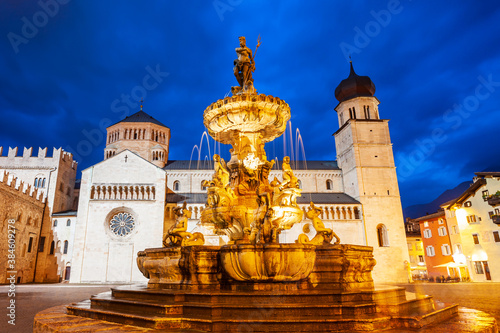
(476, 295)
(33, 298)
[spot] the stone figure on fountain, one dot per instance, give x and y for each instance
(178, 235)
(323, 235)
(244, 66)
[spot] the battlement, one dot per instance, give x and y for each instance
(41, 160)
(13, 184)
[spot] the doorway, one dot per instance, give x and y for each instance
(487, 270)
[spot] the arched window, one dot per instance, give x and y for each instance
(55, 223)
(383, 240)
(299, 183)
(177, 186)
(36, 182)
(43, 183)
(52, 245)
(68, 222)
(65, 251)
(367, 111)
(329, 184)
(203, 188)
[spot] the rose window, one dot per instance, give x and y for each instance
(122, 224)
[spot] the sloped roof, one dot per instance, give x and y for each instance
(428, 217)
(317, 198)
(140, 117)
(65, 213)
(207, 165)
(468, 192)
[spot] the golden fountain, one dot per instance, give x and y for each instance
(254, 283)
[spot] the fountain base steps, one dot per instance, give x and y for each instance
(381, 309)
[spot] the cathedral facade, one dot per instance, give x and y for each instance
(127, 201)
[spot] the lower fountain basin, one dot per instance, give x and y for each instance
(268, 262)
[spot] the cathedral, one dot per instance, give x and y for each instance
(127, 201)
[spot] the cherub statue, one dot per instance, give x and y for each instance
(323, 235)
(289, 180)
(177, 234)
(221, 175)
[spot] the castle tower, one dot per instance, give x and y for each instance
(141, 134)
(364, 153)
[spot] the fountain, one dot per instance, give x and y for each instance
(255, 283)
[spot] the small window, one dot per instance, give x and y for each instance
(427, 233)
(65, 247)
(420, 258)
(55, 223)
(478, 267)
(475, 237)
(496, 236)
(445, 250)
(52, 245)
(383, 240)
(426, 224)
(458, 249)
(455, 229)
(68, 222)
(299, 183)
(41, 244)
(441, 221)
(203, 188)
(471, 218)
(30, 244)
(486, 194)
(43, 183)
(177, 186)
(467, 204)
(442, 231)
(329, 184)
(430, 251)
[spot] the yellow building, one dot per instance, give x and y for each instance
(416, 252)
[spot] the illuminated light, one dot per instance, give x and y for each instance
(479, 255)
(459, 258)
(461, 215)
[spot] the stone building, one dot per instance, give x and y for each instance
(416, 251)
(437, 247)
(126, 202)
(364, 154)
(21, 213)
(474, 227)
(122, 202)
(54, 178)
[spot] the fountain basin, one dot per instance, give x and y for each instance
(263, 114)
(268, 262)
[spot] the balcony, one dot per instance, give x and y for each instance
(494, 200)
(496, 219)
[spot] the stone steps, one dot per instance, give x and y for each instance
(252, 323)
(388, 295)
(320, 311)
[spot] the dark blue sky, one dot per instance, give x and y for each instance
(71, 68)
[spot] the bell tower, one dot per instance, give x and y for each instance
(364, 153)
(141, 134)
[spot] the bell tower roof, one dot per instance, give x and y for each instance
(354, 86)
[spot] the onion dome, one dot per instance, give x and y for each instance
(354, 86)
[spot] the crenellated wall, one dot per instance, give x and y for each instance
(21, 215)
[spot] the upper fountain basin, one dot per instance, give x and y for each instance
(246, 113)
